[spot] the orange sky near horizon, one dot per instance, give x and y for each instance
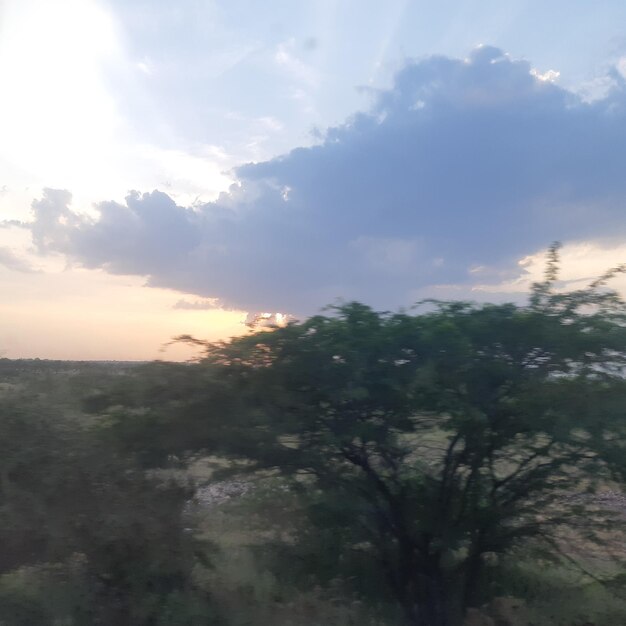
(61, 312)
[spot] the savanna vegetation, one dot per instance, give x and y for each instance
(455, 463)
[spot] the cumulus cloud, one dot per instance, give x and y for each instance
(462, 163)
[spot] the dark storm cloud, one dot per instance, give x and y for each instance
(460, 163)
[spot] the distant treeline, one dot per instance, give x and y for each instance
(17, 367)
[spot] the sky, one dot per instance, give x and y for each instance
(176, 168)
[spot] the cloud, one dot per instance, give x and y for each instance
(11, 261)
(260, 321)
(549, 76)
(147, 232)
(197, 305)
(462, 163)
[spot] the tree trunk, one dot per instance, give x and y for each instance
(473, 567)
(424, 600)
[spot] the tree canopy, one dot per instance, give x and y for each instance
(437, 436)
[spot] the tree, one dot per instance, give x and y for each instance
(423, 441)
(446, 435)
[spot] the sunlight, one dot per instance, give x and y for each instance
(57, 117)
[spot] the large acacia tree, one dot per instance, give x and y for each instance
(424, 440)
(440, 436)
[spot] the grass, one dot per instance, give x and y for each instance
(554, 592)
(243, 582)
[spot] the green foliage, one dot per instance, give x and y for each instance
(557, 594)
(443, 436)
(72, 509)
(405, 454)
(275, 567)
